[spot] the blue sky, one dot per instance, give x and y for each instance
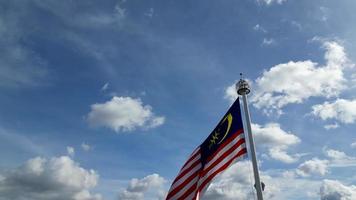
(130, 88)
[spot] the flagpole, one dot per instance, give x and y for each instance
(243, 89)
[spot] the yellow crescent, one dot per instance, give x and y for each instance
(229, 121)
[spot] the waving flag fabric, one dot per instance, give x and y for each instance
(224, 146)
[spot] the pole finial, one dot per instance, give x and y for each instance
(242, 87)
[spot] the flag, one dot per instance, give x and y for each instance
(224, 146)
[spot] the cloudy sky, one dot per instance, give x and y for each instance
(106, 99)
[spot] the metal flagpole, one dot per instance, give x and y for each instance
(243, 89)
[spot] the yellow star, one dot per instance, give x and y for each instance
(214, 138)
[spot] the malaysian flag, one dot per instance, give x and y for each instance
(224, 146)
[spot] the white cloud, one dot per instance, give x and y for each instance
(234, 182)
(276, 140)
(296, 24)
(341, 110)
(335, 190)
(331, 126)
(316, 166)
(353, 145)
(258, 27)
(335, 154)
(272, 135)
(138, 189)
(294, 82)
(150, 13)
(339, 158)
(269, 2)
(268, 41)
(237, 183)
(70, 151)
(123, 114)
(282, 155)
(231, 93)
(85, 146)
(313, 167)
(58, 178)
(105, 87)
(324, 13)
(120, 12)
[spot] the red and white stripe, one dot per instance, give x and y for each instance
(193, 180)
(186, 183)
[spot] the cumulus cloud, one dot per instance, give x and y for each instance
(335, 154)
(282, 155)
(320, 167)
(58, 178)
(123, 114)
(335, 190)
(294, 82)
(234, 182)
(276, 140)
(341, 110)
(230, 93)
(138, 189)
(339, 158)
(313, 167)
(237, 183)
